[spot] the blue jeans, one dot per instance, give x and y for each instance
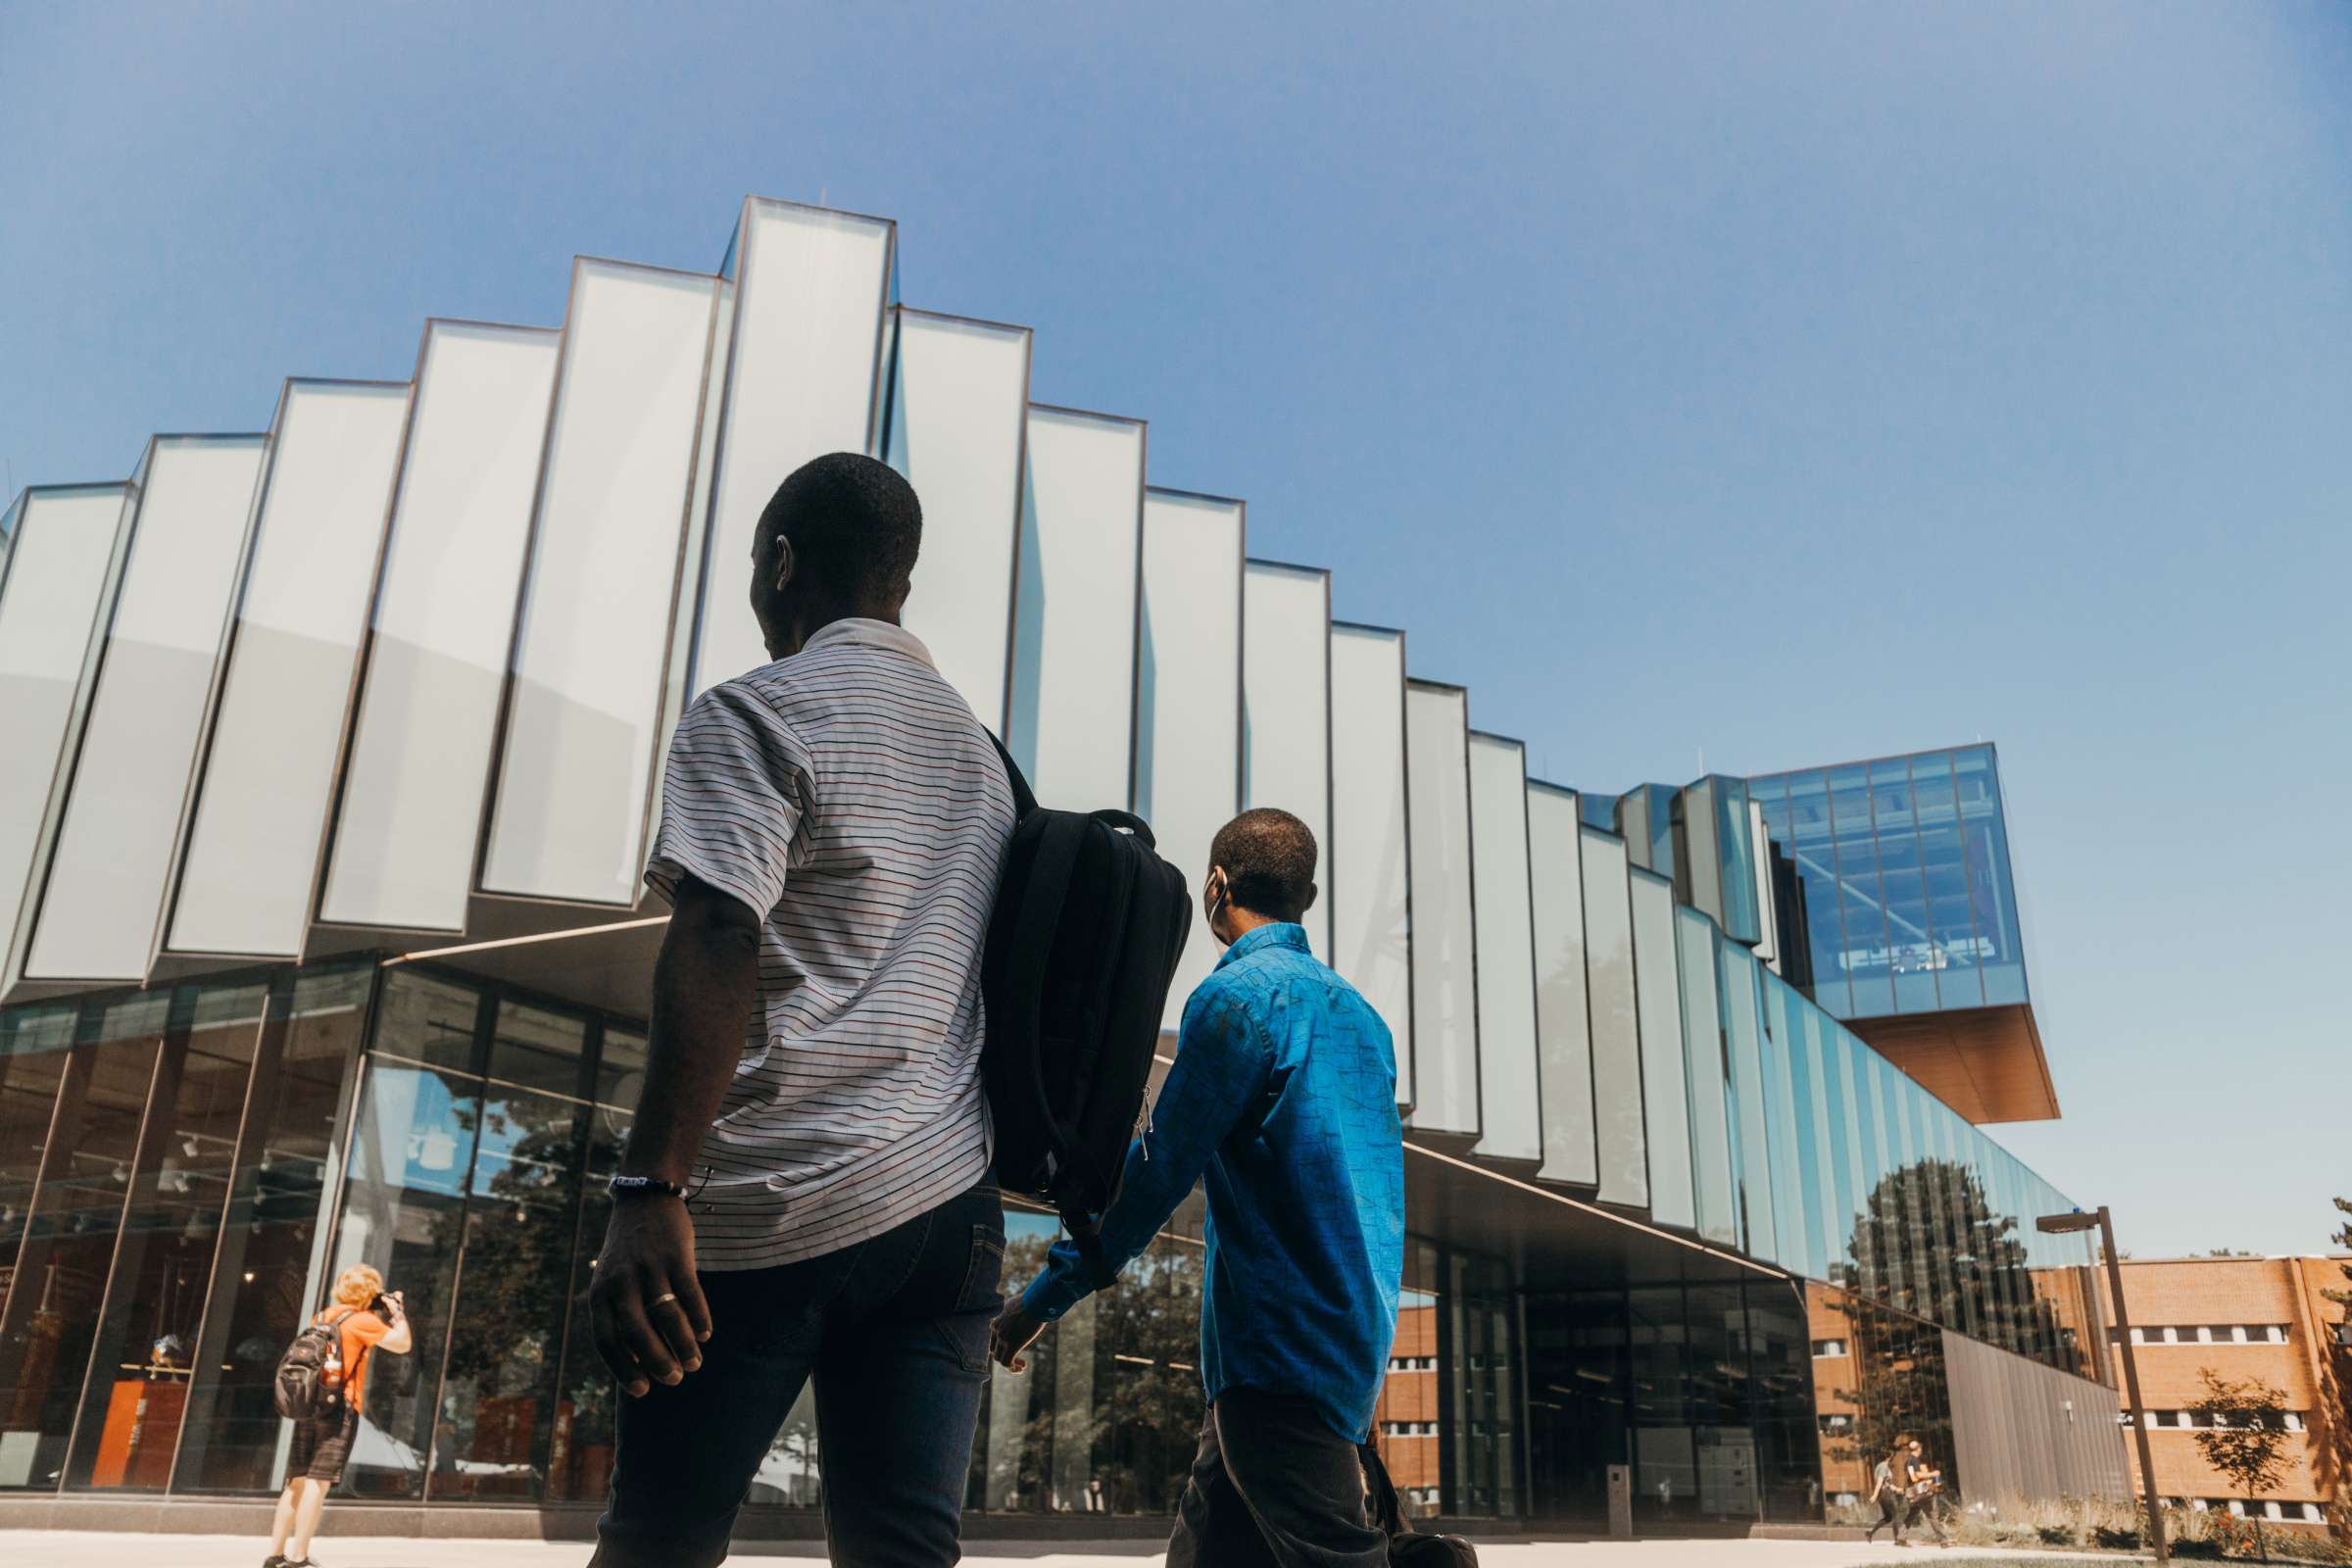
(895, 1333)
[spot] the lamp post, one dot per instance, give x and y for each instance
(2067, 1225)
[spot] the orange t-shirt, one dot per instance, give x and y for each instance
(360, 1330)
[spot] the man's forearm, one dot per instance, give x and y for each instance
(705, 983)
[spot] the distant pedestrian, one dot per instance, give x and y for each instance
(1886, 1483)
(362, 1318)
(1924, 1485)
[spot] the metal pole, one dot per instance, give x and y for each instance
(2139, 1418)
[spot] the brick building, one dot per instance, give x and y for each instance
(2244, 1317)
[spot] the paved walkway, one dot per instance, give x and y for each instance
(29, 1548)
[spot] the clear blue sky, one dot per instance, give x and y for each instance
(1796, 382)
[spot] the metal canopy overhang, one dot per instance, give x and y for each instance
(1984, 1062)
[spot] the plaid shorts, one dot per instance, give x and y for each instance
(322, 1446)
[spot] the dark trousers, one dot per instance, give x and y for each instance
(1891, 1513)
(894, 1332)
(1273, 1485)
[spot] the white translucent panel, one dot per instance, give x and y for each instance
(1072, 720)
(1367, 884)
(802, 371)
(1189, 694)
(402, 851)
(247, 872)
(1579, 1113)
(576, 757)
(1285, 709)
(104, 889)
(959, 397)
(61, 556)
(1444, 952)
(1703, 1057)
(698, 519)
(1510, 1096)
(1659, 998)
(1752, 1139)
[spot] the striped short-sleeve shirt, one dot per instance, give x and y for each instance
(849, 796)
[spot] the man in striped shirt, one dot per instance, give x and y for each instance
(805, 1194)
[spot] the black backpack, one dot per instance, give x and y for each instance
(310, 1374)
(1407, 1547)
(1083, 941)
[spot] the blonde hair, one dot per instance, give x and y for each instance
(357, 1286)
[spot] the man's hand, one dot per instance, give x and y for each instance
(644, 1306)
(399, 1307)
(1016, 1328)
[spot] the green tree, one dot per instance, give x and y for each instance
(2241, 1431)
(1928, 1241)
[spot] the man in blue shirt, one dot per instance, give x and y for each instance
(1284, 1097)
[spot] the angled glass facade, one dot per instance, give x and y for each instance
(1693, 1075)
(1909, 902)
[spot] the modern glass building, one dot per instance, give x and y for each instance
(1910, 920)
(334, 750)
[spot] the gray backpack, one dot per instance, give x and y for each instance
(310, 1374)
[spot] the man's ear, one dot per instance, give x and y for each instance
(784, 563)
(1311, 892)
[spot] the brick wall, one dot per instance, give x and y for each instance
(2202, 1301)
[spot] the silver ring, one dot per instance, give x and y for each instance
(668, 1297)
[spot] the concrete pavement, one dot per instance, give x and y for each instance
(36, 1549)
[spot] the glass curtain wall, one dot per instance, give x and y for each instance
(165, 1159)
(1703, 1388)
(1904, 867)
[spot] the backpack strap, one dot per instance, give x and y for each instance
(1388, 1515)
(1024, 800)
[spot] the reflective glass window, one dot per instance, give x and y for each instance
(1658, 1008)
(1943, 869)
(495, 1417)
(404, 1211)
(1483, 1383)
(77, 1216)
(1703, 1050)
(1752, 1139)
(1736, 861)
(1862, 897)
(35, 1043)
(143, 1353)
(271, 1231)
(1993, 896)
(1812, 844)
(1785, 1112)
(1911, 940)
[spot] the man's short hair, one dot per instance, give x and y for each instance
(1269, 862)
(357, 1286)
(854, 524)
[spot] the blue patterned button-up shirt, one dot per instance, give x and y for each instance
(1284, 1097)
